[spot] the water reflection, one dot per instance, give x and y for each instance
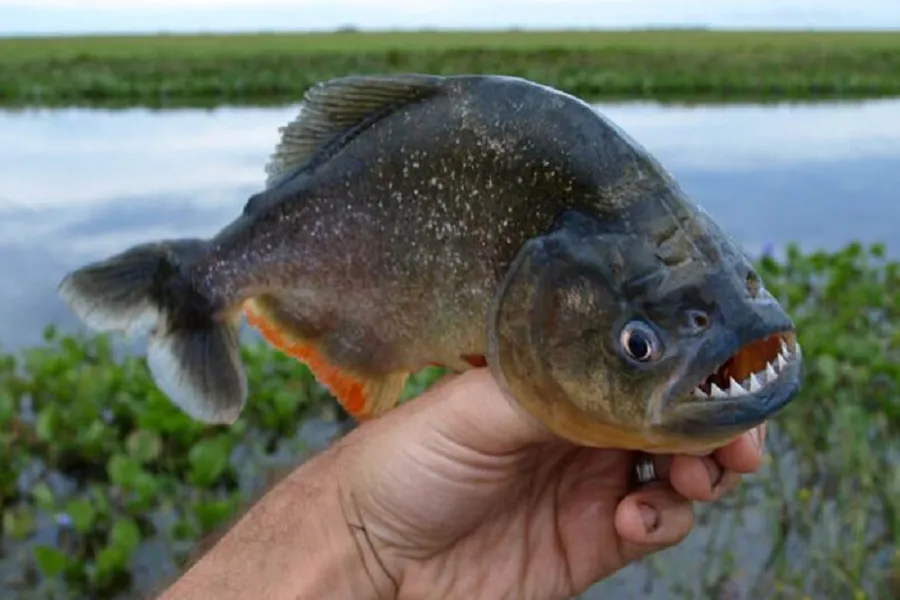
(79, 184)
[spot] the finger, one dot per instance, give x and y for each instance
(473, 411)
(744, 455)
(701, 478)
(707, 478)
(650, 519)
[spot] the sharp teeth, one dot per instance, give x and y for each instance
(781, 362)
(735, 389)
(784, 349)
(755, 381)
(754, 384)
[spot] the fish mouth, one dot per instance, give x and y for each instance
(751, 385)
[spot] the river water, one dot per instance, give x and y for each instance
(79, 184)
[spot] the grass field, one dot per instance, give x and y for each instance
(255, 68)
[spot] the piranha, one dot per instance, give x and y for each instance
(470, 222)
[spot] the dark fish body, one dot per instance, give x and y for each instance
(415, 220)
(412, 220)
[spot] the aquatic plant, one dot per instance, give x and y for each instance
(106, 488)
(277, 68)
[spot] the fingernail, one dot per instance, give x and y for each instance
(715, 472)
(755, 436)
(650, 516)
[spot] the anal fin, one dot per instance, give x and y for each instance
(476, 361)
(363, 397)
(465, 362)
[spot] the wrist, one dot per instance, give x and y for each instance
(294, 543)
(342, 562)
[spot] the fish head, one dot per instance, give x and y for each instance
(658, 337)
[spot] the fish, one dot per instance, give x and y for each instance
(473, 222)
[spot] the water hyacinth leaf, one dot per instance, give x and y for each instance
(82, 514)
(146, 487)
(110, 560)
(182, 530)
(48, 422)
(18, 523)
(285, 402)
(43, 496)
(125, 534)
(98, 493)
(50, 560)
(208, 459)
(213, 513)
(123, 470)
(95, 435)
(144, 446)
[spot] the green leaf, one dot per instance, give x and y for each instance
(82, 514)
(146, 488)
(123, 470)
(144, 446)
(182, 530)
(213, 513)
(99, 498)
(125, 535)
(110, 560)
(208, 460)
(43, 496)
(285, 402)
(18, 523)
(51, 561)
(94, 434)
(48, 420)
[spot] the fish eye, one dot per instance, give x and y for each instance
(640, 342)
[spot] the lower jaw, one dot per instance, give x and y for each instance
(692, 446)
(565, 421)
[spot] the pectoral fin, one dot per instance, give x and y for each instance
(363, 397)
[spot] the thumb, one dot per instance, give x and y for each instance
(651, 519)
(474, 412)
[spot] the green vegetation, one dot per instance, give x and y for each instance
(265, 68)
(106, 487)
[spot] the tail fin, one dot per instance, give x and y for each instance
(193, 350)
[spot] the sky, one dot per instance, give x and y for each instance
(24, 17)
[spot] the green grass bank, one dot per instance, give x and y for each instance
(176, 70)
(106, 487)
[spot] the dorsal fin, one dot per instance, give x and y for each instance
(332, 108)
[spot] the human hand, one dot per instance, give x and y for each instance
(460, 494)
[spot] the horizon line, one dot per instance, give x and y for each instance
(354, 29)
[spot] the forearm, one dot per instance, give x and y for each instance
(295, 543)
